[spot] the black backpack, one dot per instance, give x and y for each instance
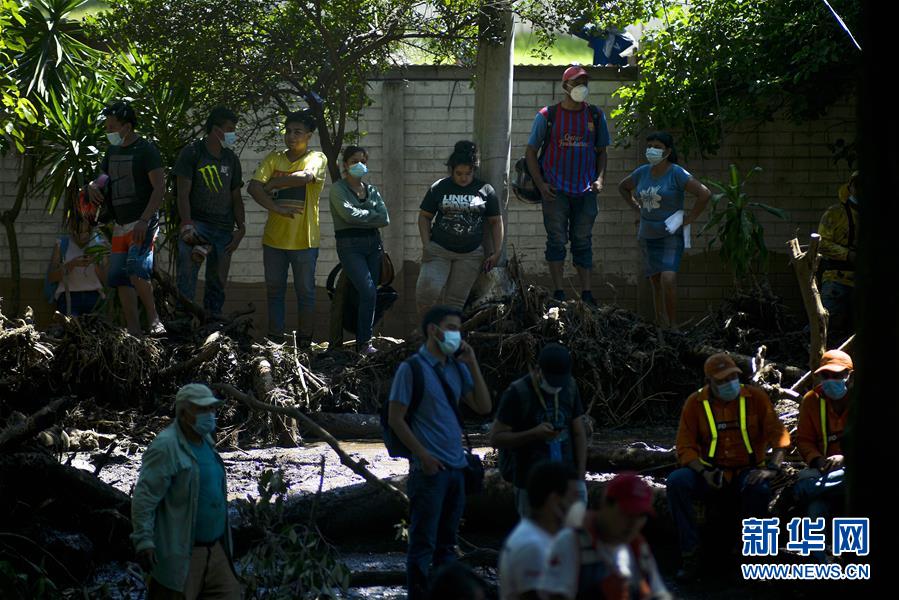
(385, 298)
(395, 446)
(522, 183)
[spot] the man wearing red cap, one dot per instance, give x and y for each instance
(724, 434)
(607, 557)
(566, 157)
(822, 420)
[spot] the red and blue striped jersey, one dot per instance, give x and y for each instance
(569, 161)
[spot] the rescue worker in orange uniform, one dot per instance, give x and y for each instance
(822, 420)
(725, 431)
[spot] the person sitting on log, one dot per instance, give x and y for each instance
(839, 231)
(606, 556)
(442, 379)
(179, 511)
(540, 417)
(822, 420)
(724, 434)
(552, 489)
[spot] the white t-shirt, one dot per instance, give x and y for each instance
(562, 570)
(522, 559)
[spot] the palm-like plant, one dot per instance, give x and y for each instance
(48, 66)
(737, 229)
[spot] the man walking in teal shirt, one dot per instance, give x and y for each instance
(179, 510)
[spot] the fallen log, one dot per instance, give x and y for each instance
(746, 363)
(208, 351)
(14, 435)
(264, 384)
(165, 282)
(352, 464)
(33, 485)
(638, 456)
(348, 426)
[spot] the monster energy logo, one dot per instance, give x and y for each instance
(211, 178)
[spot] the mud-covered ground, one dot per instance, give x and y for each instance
(303, 470)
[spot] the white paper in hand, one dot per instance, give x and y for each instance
(674, 221)
(687, 236)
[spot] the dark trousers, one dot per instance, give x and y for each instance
(436, 505)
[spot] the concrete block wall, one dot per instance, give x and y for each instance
(437, 110)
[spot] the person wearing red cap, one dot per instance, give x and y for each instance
(724, 434)
(822, 421)
(606, 557)
(566, 157)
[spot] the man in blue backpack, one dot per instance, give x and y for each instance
(426, 391)
(566, 157)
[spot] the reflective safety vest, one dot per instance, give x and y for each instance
(714, 427)
(826, 437)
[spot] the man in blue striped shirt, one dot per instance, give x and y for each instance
(569, 171)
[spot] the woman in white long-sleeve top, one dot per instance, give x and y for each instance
(359, 212)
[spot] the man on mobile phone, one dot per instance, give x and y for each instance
(540, 417)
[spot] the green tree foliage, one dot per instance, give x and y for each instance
(290, 561)
(271, 56)
(15, 109)
(707, 66)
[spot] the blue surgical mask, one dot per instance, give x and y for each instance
(357, 170)
(229, 139)
(451, 342)
(728, 391)
(205, 423)
(834, 388)
(655, 155)
(115, 138)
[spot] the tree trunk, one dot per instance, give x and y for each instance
(805, 264)
(8, 218)
(493, 128)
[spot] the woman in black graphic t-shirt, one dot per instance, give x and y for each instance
(451, 223)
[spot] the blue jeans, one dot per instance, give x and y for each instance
(821, 493)
(570, 218)
(361, 260)
(436, 503)
(685, 485)
(83, 303)
(218, 263)
(277, 262)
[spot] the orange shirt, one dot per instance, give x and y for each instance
(763, 427)
(809, 436)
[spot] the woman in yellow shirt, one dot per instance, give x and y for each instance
(288, 184)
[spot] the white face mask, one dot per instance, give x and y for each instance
(655, 155)
(579, 93)
(230, 139)
(115, 138)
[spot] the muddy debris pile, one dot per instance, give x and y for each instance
(628, 370)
